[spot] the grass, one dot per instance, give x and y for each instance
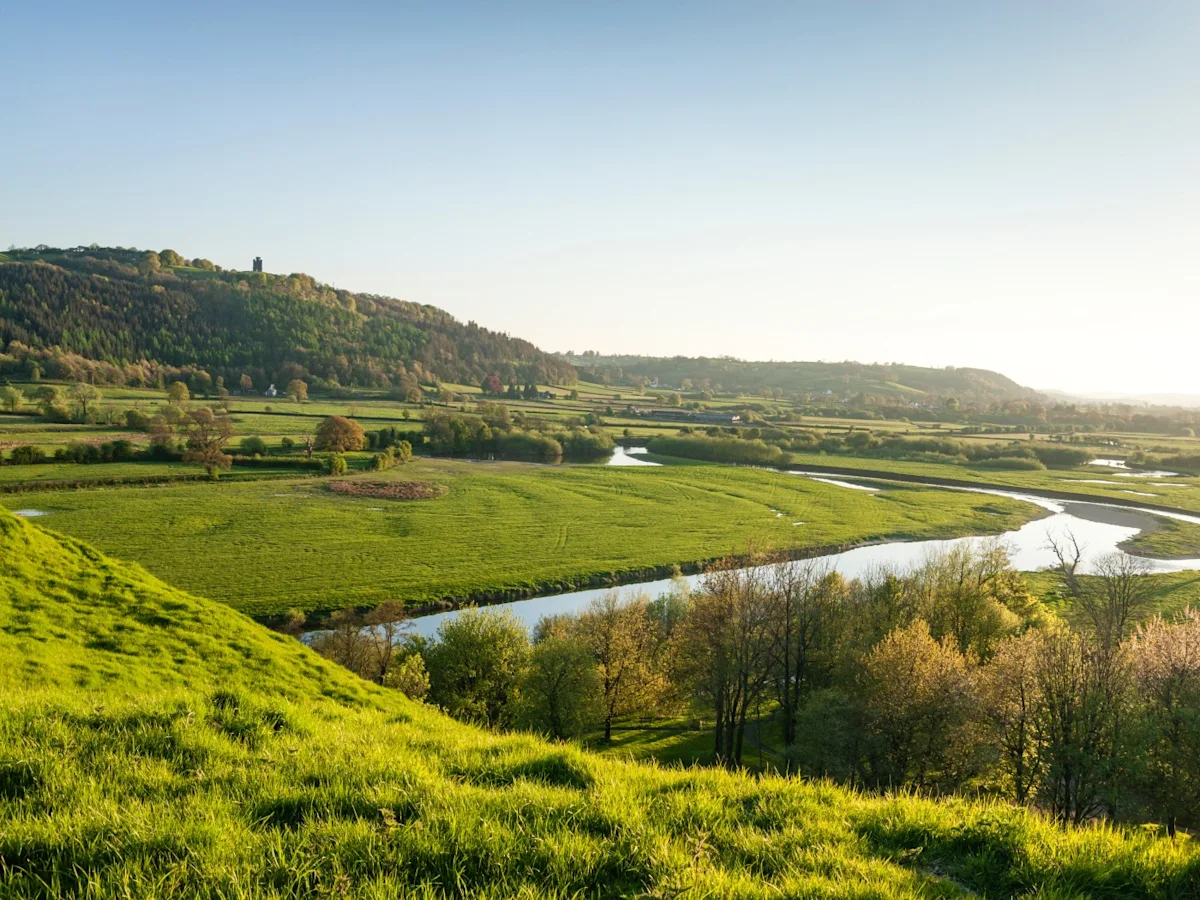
(1185, 496)
(501, 529)
(1172, 539)
(154, 744)
(1170, 592)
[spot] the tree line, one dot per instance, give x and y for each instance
(949, 677)
(493, 432)
(767, 445)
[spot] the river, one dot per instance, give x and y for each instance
(1099, 527)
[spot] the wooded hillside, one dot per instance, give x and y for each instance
(124, 307)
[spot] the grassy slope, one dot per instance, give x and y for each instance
(265, 547)
(153, 744)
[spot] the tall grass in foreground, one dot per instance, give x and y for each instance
(153, 744)
(224, 795)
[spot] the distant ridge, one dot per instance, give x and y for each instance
(887, 384)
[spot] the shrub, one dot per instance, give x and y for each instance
(580, 444)
(1020, 463)
(528, 446)
(728, 450)
(26, 455)
(253, 446)
(1063, 457)
(409, 677)
(392, 456)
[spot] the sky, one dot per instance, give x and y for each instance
(1009, 185)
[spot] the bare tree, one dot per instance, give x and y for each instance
(1111, 595)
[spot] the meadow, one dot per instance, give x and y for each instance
(155, 744)
(1183, 494)
(501, 530)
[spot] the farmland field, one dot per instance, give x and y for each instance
(269, 546)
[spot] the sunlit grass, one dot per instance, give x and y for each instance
(153, 744)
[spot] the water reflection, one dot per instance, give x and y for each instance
(628, 456)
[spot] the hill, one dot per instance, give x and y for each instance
(882, 384)
(124, 307)
(154, 744)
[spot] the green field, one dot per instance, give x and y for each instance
(155, 745)
(266, 547)
(1184, 495)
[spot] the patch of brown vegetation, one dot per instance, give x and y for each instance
(389, 490)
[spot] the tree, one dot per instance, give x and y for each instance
(200, 383)
(346, 642)
(803, 623)
(492, 385)
(149, 263)
(297, 390)
(83, 395)
(1082, 688)
(476, 665)
(621, 638)
(253, 446)
(919, 703)
(561, 695)
(339, 435)
(207, 434)
(367, 645)
(247, 382)
(50, 401)
(1166, 666)
(409, 676)
(726, 651)
(968, 593)
(1010, 698)
(178, 394)
(12, 398)
(1111, 595)
(171, 258)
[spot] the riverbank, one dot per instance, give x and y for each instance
(1100, 528)
(501, 531)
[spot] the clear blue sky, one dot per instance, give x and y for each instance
(1011, 185)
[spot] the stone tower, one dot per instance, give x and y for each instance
(258, 264)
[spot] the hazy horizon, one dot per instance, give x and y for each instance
(1012, 187)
